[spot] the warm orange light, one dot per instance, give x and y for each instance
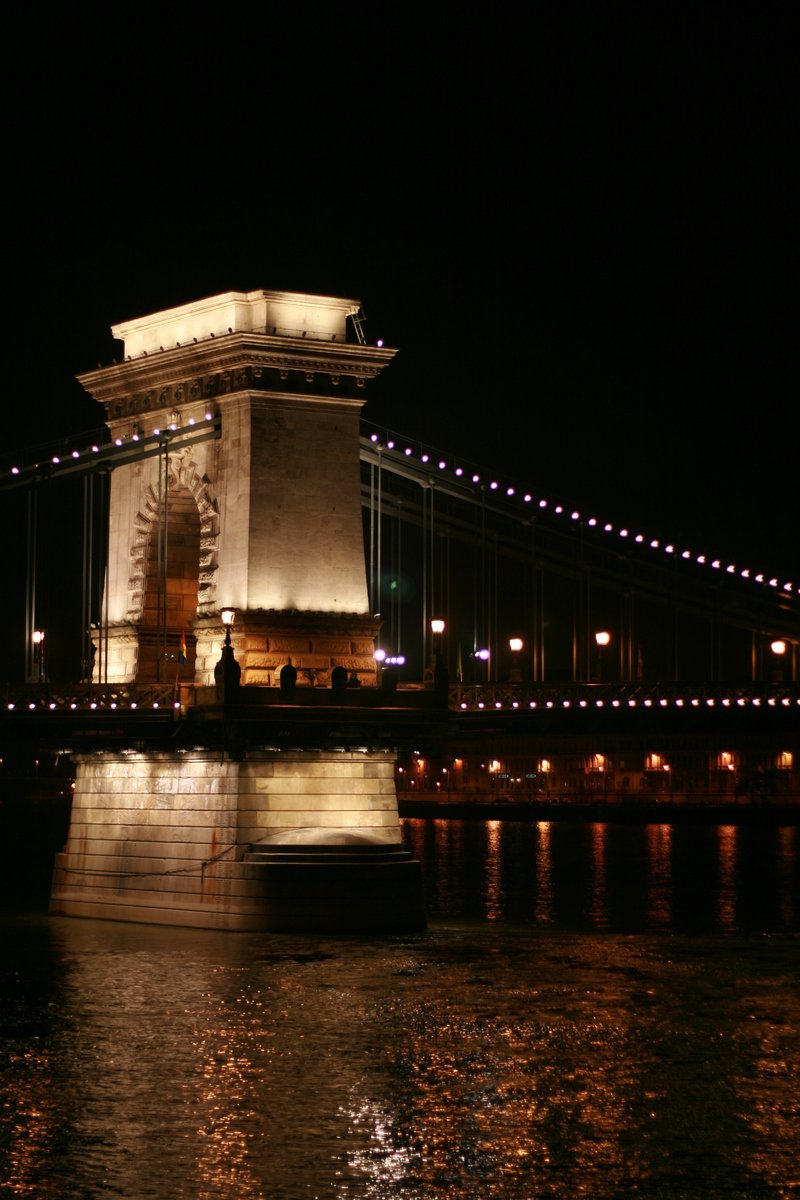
(228, 615)
(545, 765)
(437, 625)
(515, 644)
(602, 637)
(778, 646)
(494, 766)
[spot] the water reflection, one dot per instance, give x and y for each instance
(726, 902)
(543, 902)
(659, 871)
(619, 877)
(543, 1038)
(597, 905)
(492, 876)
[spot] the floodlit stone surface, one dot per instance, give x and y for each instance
(271, 510)
(164, 838)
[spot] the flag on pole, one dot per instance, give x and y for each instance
(182, 652)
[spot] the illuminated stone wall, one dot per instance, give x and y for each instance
(160, 838)
(278, 494)
(283, 796)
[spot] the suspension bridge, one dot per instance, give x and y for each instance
(274, 607)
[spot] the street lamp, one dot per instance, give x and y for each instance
(778, 648)
(38, 653)
(603, 639)
(227, 672)
(228, 616)
(440, 680)
(515, 645)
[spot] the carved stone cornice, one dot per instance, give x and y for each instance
(223, 365)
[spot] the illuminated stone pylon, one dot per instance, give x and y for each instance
(266, 519)
(245, 820)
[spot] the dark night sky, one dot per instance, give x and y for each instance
(581, 233)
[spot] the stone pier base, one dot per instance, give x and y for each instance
(283, 840)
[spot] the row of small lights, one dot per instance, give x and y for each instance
(73, 704)
(592, 522)
(510, 492)
(632, 702)
(136, 435)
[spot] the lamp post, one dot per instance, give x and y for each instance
(515, 645)
(778, 648)
(227, 672)
(440, 679)
(602, 639)
(38, 654)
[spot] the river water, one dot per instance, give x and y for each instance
(594, 1011)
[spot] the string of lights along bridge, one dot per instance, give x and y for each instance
(447, 468)
(503, 516)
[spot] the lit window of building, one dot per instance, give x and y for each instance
(785, 760)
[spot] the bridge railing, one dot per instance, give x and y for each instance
(480, 697)
(526, 696)
(83, 696)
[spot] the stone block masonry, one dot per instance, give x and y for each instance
(162, 838)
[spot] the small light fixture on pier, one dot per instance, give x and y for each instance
(228, 616)
(227, 672)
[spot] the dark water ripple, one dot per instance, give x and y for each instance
(555, 1056)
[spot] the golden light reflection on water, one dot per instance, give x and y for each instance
(543, 905)
(232, 1056)
(35, 1123)
(598, 910)
(492, 881)
(727, 836)
(659, 878)
(476, 1061)
(499, 1100)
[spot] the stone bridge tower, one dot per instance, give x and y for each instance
(261, 810)
(266, 518)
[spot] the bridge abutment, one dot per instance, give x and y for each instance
(281, 840)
